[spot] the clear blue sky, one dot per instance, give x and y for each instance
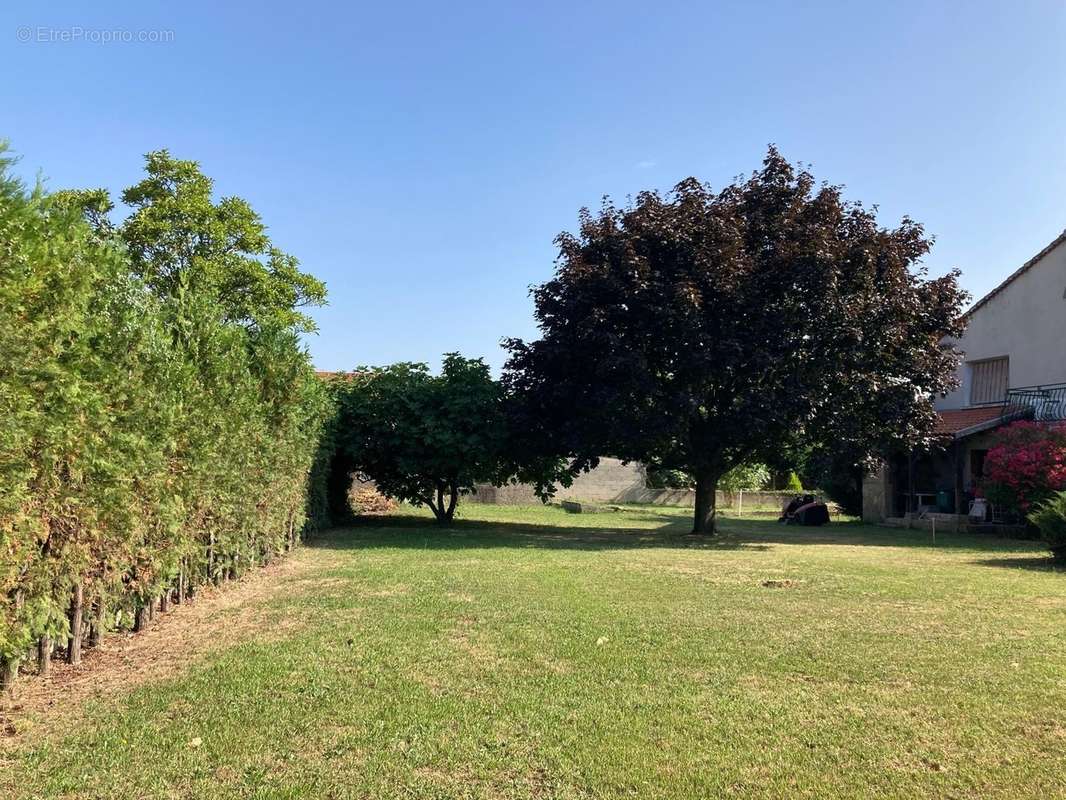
(420, 158)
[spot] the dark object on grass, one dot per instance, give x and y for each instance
(805, 510)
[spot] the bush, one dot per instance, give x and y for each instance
(745, 477)
(659, 478)
(369, 502)
(1050, 519)
(1024, 467)
(794, 484)
(838, 476)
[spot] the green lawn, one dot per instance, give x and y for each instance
(528, 653)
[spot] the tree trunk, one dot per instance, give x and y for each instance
(141, 618)
(453, 501)
(164, 601)
(9, 672)
(181, 583)
(44, 655)
(705, 517)
(96, 626)
(74, 646)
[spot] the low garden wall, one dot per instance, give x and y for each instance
(615, 482)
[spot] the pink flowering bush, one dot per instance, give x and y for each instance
(1025, 466)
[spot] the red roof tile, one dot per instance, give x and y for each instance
(955, 420)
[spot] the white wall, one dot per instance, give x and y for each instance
(1027, 322)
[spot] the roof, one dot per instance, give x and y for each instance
(956, 420)
(1028, 265)
(959, 423)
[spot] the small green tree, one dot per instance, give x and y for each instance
(745, 477)
(1050, 518)
(425, 439)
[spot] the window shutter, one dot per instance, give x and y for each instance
(989, 381)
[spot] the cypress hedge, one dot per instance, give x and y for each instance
(163, 425)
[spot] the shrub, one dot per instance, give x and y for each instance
(1050, 518)
(794, 484)
(745, 477)
(659, 478)
(1025, 466)
(368, 502)
(838, 476)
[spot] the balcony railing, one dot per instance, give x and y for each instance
(1043, 403)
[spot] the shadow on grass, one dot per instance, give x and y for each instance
(666, 531)
(1039, 564)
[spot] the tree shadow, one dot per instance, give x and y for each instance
(400, 531)
(661, 530)
(1037, 564)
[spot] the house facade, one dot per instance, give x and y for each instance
(1013, 367)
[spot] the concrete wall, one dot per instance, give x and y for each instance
(876, 495)
(615, 482)
(1027, 323)
(686, 497)
(611, 482)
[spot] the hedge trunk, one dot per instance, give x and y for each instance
(9, 670)
(140, 620)
(76, 615)
(44, 655)
(96, 625)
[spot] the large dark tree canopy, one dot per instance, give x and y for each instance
(702, 329)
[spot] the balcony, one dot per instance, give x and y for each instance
(1041, 403)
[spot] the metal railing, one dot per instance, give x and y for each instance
(1043, 403)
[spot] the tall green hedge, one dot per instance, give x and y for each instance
(153, 439)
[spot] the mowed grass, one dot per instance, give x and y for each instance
(528, 653)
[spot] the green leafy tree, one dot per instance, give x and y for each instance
(741, 477)
(745, 477)
(180, 240)
(702, 330)
(422, 438)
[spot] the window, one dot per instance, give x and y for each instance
(977, 464)
(989, 380)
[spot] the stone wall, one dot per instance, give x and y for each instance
(687, 498)
(876, 495)
(611, 482)
(615, 482)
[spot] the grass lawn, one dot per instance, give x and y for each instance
(528, 653)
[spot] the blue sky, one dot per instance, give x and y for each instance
(420, 158)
